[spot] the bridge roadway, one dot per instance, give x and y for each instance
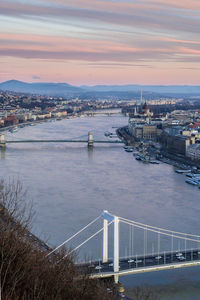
(64, 141)
(141, 264)
(102, 113)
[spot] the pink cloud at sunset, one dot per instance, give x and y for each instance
(84, 42)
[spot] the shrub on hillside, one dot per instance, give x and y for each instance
(26, 272)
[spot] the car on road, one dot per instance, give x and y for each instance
(138, 261)
(158, 257)
(179, 254)
(98, 267)
(110, 265)
(181, 257)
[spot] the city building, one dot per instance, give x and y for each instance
(193, 152)
(176, 144)
(143, 131)
(10, 120)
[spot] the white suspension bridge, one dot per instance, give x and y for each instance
(169, 249)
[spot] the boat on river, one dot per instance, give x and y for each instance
(13, 129)
(107, 133)
(196, 175)
(182, 171)
(193, 175)
(154, 162)
(190, 181)
(129, 149)
(140, 157)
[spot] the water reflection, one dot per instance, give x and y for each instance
(3, 153)
(90, 153)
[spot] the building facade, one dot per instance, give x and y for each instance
(193, 152)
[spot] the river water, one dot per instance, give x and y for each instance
(70, 186)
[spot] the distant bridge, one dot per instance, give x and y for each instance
(90, 141)
(94, 113)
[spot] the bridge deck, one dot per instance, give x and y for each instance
(64, 141)
(146, 269)
(141, 264)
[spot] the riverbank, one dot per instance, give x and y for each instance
(177, 161)
(124, 135)
(53, 119)
(33, 122)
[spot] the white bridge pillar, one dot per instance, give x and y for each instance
(107, 217)
(2, 141)
(105, 241)
(90, 139)
(116, 245)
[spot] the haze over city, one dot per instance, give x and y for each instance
(100, 42)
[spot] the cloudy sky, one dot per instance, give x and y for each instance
(100, 41)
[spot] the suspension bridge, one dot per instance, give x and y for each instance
(91, 113)
(89, 140)
(160, 249)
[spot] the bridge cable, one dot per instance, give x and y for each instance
(145, 243)
(163, 233)
(152, 248)
(161, 229)
(129, 240)
(172, 245)
(86, 240)
(79, 137)
(185, 247)
(158, 244)
(132, 240)
(69, 239)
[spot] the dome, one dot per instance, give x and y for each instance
(145, 106)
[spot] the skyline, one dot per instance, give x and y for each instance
(100, 42)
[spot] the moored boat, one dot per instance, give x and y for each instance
(190, 181)
(154, 162)
(129, 150)
(13, 129)
(107, 133)
(182, 171)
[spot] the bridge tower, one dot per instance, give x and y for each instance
(90, 139)
(2, 141)
(107, 217)
(105, 240)
(116, 245)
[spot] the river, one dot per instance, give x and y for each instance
(70, 186)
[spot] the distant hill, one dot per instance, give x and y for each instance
(176, 89)
(50, 89)
(67, 90)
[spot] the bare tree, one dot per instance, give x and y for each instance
(26, 271)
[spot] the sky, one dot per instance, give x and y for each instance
(100, 41)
